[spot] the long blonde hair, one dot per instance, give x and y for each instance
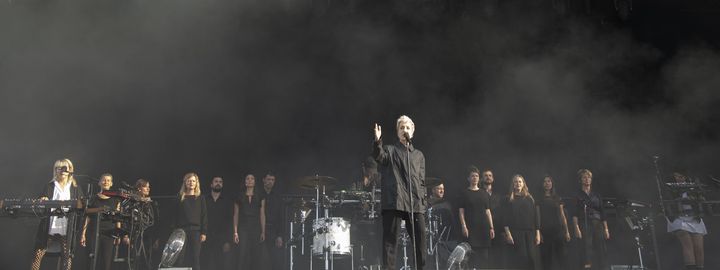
(196, 191)
(525, 191)
(64, 163)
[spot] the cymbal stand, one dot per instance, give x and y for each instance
(405, 238)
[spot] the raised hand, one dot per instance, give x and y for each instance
(378, 132)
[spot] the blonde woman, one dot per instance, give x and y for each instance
(190, 215)
(522, 228)
(54, 229)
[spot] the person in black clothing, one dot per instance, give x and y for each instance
(100, 203)
(554, 228)
(445, 222)
(402, 168)
(249, 224)
(191, 216)
(522, 228)
(274, 223)
(589, 223)
(216, 250)
(476, 221)
(150, 238)
(497, 250)
(55, 229)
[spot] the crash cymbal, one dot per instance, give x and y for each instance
(310, 182)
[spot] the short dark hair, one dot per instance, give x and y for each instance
(472, 169)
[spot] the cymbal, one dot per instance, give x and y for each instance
(310, 182)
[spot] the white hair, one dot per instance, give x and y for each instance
(404, 119)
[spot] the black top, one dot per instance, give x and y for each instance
(392, 161)
(520, 214)
(108, 204)
(474, 203)
(550, 213)
(220, 214)
(594, 203)
(191, 214)
(273, 214)
(249, 211)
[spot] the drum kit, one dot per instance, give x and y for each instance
(329, 234)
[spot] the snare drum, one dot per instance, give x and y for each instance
(334, 231)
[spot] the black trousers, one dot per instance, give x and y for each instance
(594, 250)
(213, 256)
(104, 252)
(391, 227)
(552, 249)
(191, 251)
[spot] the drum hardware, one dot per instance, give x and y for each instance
(404, 238)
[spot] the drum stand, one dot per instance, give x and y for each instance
(404, 237)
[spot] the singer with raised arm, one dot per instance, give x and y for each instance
(402, 167)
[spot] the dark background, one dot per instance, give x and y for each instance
(155, 89)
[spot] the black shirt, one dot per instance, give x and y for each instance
(594, 203)
(107, 204)
(520, 214)
(220, 214)
(396, 183)
(475, 203)
(273, 213)
(249, 209)
(191, 214)
(550, 215)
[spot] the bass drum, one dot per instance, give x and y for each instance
(334, 231)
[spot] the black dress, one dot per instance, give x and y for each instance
(191, 216)
(521, 217)
(552, 229)
(588, 208)
(475, 204)
(249, 229)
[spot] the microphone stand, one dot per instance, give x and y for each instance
(658, 176)
(96, 234)
(410, 191)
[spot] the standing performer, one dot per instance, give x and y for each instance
(190, 215)
(101, 203)
(275, 224)
(589, 223)
(688, 227)
(476, 220)
(522, 228)
(55, 229)
(554, 228)
(249, 224)
(151, 236)
(496, 251)
(216, 250)
(402, 168)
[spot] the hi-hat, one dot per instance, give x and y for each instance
(310, 182)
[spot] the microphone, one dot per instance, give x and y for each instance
(407, 137)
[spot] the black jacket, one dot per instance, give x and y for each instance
(392, 161)
(41, 236)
